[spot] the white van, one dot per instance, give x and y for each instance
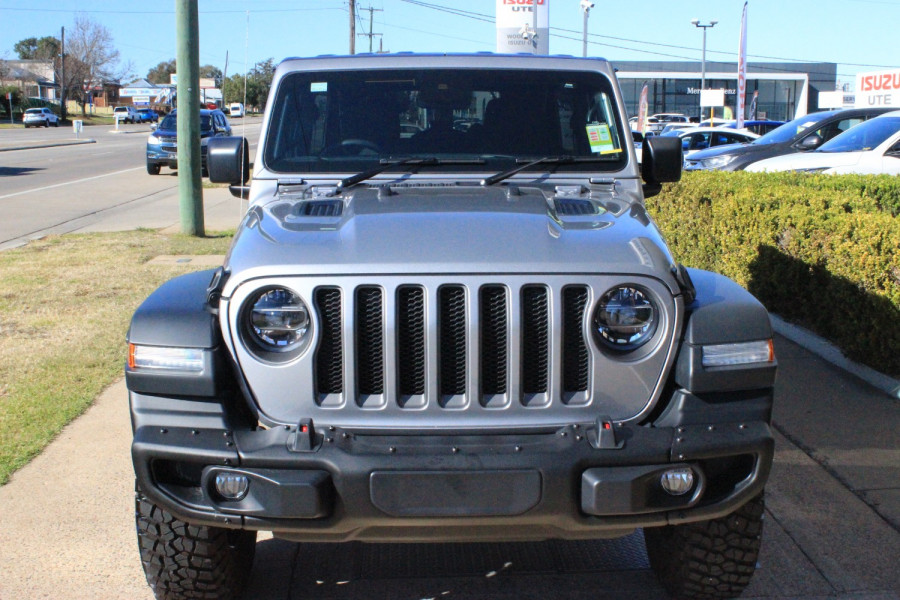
(236, 109)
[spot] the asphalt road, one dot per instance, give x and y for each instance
(61, 189)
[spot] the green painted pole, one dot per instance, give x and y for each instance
(187, 57)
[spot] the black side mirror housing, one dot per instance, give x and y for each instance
(661, 162)
(228, 160)
(810, 142)
(637, 136)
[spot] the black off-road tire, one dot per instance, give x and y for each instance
(708, 560)
(191, 562)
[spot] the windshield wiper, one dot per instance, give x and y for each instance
(386, 164)
(559, 160)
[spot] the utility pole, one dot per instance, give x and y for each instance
(62, 74)
(352, 26)
(187, 57)
(370, 35)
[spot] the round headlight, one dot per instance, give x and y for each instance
(278, 320)
(625, 318)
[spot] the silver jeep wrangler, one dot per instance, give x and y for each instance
(447, 317)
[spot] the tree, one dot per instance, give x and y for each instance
(161, 72)
(45, 48)
(211, 72)
(259, 80)
(91, 58)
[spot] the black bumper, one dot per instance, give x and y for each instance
(336, 484)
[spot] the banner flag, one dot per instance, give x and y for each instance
(752, 111)
(742, 70)
(642, 110)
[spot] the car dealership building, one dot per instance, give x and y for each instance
(786, 90)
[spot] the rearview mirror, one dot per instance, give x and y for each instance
(810, 142)
(228, 160)
(661, 163)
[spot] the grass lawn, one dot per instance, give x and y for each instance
(65, 305)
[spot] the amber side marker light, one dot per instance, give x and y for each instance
(158, 358)
(743, 353)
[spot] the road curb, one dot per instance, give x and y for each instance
(49, 145)
(828, 351)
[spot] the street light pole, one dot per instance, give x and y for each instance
(586, 6)
(704, 26)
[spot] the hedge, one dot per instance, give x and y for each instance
(822, 251)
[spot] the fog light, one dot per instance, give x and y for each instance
(232, 486)
(677, 481)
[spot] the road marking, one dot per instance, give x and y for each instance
(56, 185)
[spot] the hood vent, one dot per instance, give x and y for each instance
(322, 208)
(572, 207)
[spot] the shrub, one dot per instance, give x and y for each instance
(822, 251)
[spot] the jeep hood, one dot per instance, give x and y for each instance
(453, 230)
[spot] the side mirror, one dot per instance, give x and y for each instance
(637, 136)
(228, 160)
(810, 142)
(154, 126)
(661, 163)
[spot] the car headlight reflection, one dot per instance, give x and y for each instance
(625, 318)
(717, 162)
(278, 320)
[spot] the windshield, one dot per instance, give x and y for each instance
(863, 137)
(786, 132)
(351, 120)
(170, 123)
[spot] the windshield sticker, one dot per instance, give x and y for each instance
(318, 86)
(600, 139)
(805, 126)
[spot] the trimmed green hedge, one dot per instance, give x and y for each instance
(822, 251)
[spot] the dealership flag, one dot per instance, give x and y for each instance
(742, 70)
(642, 110)
(752, 112)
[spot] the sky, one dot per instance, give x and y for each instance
(858, 35)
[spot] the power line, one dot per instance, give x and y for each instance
(488, 18)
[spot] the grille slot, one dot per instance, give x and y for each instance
(411, 346)
(535, 345)
(369, 343)
(575, 354)
(452, 377)
(494, 347)
(329, 355)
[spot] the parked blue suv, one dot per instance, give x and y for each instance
(162, 146)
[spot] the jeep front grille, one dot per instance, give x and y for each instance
(457, 336)
(459, 351)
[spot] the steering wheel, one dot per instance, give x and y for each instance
(346, 146)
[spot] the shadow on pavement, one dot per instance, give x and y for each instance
(611, 569)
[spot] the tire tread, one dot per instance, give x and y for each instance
(708, 560)
(191, 562)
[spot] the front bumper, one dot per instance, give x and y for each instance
(339, 484)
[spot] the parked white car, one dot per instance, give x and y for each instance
(872, 147)
(38, 117)
(127, 114)
(236, 109)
